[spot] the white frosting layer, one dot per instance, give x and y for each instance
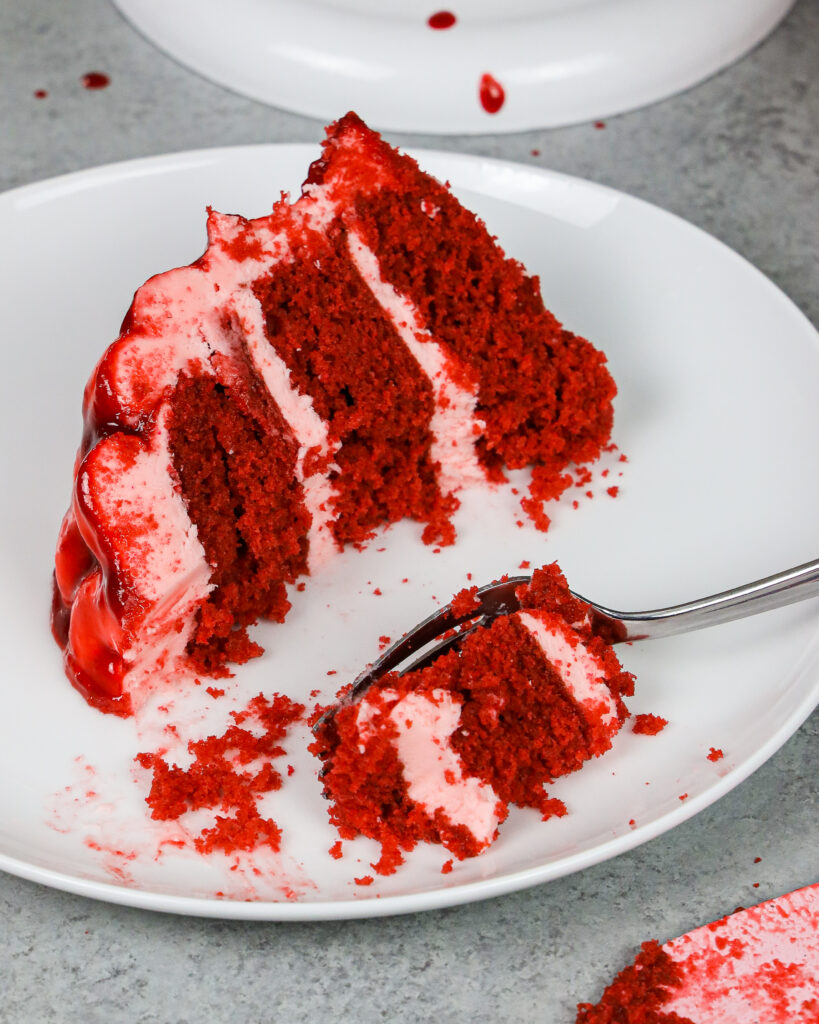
(760, 964)
(454, 425)
(581, 672)
(432, 769)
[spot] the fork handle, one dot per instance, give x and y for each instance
(775, 591)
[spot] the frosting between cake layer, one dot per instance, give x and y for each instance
(581, 672)
(308, 427)
(433, 772)
(454, 425)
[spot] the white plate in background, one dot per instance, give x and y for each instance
(558, 61)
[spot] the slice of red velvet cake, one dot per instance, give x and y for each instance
(756, 965)
(352, 359)
(439, 754)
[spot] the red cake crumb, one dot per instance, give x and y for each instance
(465, 602)
(335, 850)
(613, 491)
(534, 509)
(548, 483)
(214, 691)
(524, 565)
(366, 880)
(715, 754)
(648, 725)
(218, 779)
(682, 796)
(446, 867)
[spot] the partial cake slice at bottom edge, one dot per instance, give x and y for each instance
(756, 965)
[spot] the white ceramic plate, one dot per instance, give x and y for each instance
(557, 61)
(718, 374)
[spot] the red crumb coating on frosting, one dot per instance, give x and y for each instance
(757, 964)
(649, 725)
(519, 728)
(228, 774)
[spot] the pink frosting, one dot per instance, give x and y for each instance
(582, 673)
(454, 425)
(432, 769)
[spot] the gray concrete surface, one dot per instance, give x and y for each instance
(737, 155)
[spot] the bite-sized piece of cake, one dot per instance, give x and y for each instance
(439, 754)
(755, 965)
(354, 358)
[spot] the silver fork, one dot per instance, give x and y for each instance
(499, 598)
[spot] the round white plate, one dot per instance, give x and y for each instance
(557, 61)
(718, 374)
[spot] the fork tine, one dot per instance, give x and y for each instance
(453, 640)
(494, 599)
